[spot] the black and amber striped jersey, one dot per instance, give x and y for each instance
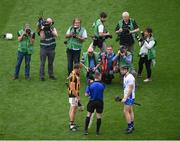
(74, 84)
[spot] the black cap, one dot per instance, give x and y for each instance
(103, 15)
(149, 30)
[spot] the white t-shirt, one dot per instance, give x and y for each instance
(147, 45)
(129, 80)
(101, 28)
(84, 34)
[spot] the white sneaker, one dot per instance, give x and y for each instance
(147, 80)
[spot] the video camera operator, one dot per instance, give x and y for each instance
(47, 33)
(147, 52)
(26, 39)
(126, 29)
(76, 35)
(100, 33)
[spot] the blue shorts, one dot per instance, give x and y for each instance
(129, 102)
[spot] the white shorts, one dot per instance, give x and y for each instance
(73, 101)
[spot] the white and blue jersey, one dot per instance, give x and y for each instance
(129, 80)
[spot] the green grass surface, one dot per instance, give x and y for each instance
(39, 110)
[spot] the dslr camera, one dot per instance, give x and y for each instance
(108, 36)
(125, 32)
(74, 34)
(140, 38)
(28, 31)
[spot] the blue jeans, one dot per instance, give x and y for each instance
(20, 56)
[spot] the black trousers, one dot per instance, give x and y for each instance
(142, 61)
(73, 57)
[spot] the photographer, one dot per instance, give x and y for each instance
(100, 33)
(76, 35)
(107, 65)
(47, 47)
(147, 53)
(26, 39)
(124, 58)
(126, 29)
(90, 60)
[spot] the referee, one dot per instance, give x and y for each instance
(95, 91)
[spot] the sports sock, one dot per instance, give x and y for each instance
(132, 123)
(129, 125)
(98, 124)
(86, 123)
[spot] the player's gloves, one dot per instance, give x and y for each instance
(117, 99)
(81, 107)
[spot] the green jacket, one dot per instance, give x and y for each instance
(74, 43)
(132, 21)
(85, 60)
(152, 51)
(95, 26)
(24, 45)
(123, 62)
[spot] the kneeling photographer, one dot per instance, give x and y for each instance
(26, 39)
(75, 35)
(124, 58)
(90, 62)
(100, 33)
(47, 34)
(147, 52)
(126, 29)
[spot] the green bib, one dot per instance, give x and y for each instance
(24, 45)
(86, 60)
(122, 61)
(131, 25)
(95, 26)
(152, 51)
(74, 43)
(49, 41)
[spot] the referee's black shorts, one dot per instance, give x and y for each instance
(95, 105)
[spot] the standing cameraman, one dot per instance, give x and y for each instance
(100, 32)
(147, 53)
(26, 39)
(47, 48)
(126, 29)
(76, 36)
